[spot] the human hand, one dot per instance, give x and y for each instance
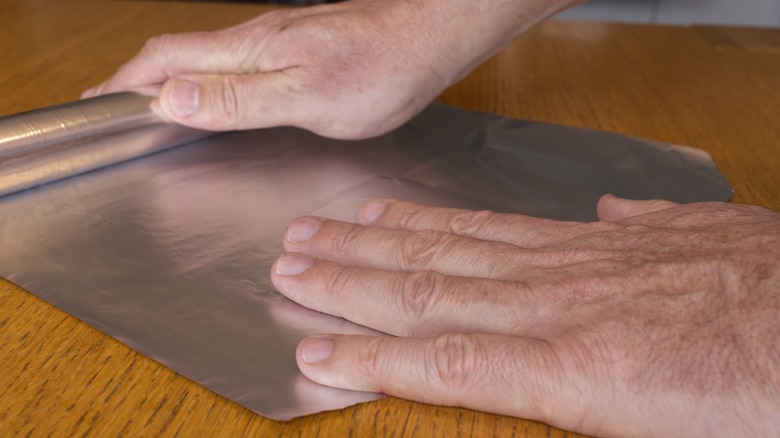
(660, 319)
(348, 70)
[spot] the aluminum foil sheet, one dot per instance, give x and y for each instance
(171, 253)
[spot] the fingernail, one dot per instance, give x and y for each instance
(293, 264)
(184, 97)
(315, 349)
(370, 212)
(302, 229)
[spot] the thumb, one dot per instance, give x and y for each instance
(500, 374)
(613, 209)
(228, 102)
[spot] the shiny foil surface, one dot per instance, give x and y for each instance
(170, 253)
(58, 142)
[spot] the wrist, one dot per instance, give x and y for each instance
(458, 35)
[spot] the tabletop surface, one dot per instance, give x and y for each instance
(715, 88)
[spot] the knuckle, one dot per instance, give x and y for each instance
(453, 361)
(229, 102)
(421, 248)
(336, 280)
(407, 217)
(470, 223)
(420, 292)
(326, 35)
(346, 242)
(245, 44)
(159, 45)
(319, 43)
(370, 358)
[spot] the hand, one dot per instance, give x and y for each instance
(660, 319)
(348, 70)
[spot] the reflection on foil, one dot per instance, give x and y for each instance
(171, 253)
(55, 143)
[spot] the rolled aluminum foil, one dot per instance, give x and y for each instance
(58, 142)
(171, 253)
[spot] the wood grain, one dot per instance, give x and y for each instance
(60, 377)
(742, 38)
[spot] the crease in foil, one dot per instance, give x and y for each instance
(171, 253)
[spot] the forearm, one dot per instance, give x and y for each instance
(461, 34)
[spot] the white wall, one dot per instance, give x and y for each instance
(735, 12)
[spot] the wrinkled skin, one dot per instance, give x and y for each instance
(659, 319)
(347, 70)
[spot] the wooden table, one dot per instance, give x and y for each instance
(714, 88)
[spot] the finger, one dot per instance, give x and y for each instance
(170, 55)
(510, 376)
(613, 209)
(190, 74)
(94, 91)
(516, 229)
(411, 251)
(229, 102)
(147, 90)
(418, 304)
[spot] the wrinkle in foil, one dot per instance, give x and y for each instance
(171, 253)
